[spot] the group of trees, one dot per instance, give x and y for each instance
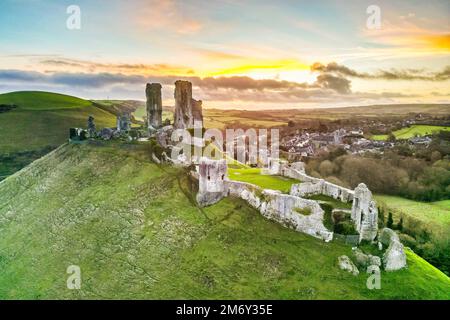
(423, 176)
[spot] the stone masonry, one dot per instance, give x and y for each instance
(211, 187)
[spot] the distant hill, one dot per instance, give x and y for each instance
(40, 100)
(134, 230)
(39, 122)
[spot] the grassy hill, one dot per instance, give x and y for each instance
(135, 232)
(39, 123)
(433, 215)
(43, 118)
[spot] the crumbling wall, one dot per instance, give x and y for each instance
(124, 122)
(364, 209)
(283, 208)
(365, 213)
(319, 186)
(154, 105)
(197, 111)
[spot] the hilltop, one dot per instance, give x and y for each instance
(135, 231)
(42, 119)
(39, 122)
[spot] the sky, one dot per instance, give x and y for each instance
(238, 54)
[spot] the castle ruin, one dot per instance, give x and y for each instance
(154, 105)
(188, 111)
(211, 187)
(364, 213)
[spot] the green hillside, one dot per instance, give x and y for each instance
(40, 122)
(135, 232)
(433, 215)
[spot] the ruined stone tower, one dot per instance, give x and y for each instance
(211, 181)
(154, 105)
(365, 213)
(187, 110)
(124, 122)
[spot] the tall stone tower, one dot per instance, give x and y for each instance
(183, 118)
(154, 105)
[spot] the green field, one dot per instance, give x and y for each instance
(133, 229)
(254, 176)
(433, 215)
(412, 131)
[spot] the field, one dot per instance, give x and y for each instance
(254, 176)
(434, 215)
(133, 229)
(412, 131)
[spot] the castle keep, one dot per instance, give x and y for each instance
(154, 105)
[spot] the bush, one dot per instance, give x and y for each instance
(345, 228)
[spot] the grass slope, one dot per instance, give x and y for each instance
(133, 229)
(412, 131)
(434, 215)
(254, 176)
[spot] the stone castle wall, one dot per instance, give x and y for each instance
(364, 209)
(283, 208)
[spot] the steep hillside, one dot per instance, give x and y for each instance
(135, 232)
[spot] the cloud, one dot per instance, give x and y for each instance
(392, 74)
(331, 85)
(139, 68)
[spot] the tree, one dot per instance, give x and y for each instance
(391, 137)
(400, 224)
(381, 217)
(390, 220)
(435, 156)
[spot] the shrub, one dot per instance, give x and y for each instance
(390, 220)
(345, 228)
